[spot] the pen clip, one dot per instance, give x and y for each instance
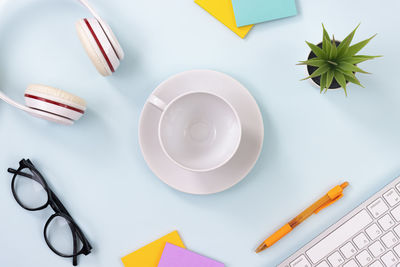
(334, 194)
(328, 203)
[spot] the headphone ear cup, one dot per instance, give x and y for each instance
(54, 101)
(50, 117)
(92, 50)
(97, 46)
(112, 38)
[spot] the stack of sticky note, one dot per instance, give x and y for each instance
(241, 15)
(168, 251)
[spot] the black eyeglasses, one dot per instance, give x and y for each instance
(61, 233)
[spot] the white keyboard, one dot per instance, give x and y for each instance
(367, 236)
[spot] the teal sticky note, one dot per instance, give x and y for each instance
(256, 11)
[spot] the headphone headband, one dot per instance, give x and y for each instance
(86, 4)
(13, 103)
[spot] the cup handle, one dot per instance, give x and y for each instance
(157, 102)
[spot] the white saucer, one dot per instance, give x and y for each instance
(242, 162)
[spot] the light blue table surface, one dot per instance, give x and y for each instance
(312, 141)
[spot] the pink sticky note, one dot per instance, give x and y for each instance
(174, 256)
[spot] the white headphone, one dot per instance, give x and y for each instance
(99, 41)
(56, 105)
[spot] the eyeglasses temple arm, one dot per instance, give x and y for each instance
(75, 258)
(11, 170)
(60, 206)
(33, 177)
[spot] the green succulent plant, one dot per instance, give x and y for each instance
(337, 61)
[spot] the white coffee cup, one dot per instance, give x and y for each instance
(198, 131)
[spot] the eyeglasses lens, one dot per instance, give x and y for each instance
(29, 191)
(60, 236)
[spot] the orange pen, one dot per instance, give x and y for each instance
(331, 197)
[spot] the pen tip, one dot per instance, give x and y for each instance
(344, 185)
(261, 248)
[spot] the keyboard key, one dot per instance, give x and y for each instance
(396, 213)
(348, 250)
(339, 236)
(389, 239)
(389, 259)
(376, 264)
(323, 264)
(397, 230)
(378, 207)
(376, 248)
(398, 186)
(386, 222)
(392, 197)
(373, 231)
(335, 259)
(351, 263)
(397, 250)
(361, 240)
(300, 262)
(364, 258)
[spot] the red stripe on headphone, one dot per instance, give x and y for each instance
(99, 45)
(54, 103)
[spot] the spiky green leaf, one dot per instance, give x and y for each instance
(316, 50)
(315, 62)
(350, 68)
(353, 79)
(321, 70)
(357, 69)
(328, 47)
(329, 78)
(345, 44)
(325, 41)
(345, 72)
(358, 59)
(340, 78)
(322, 82)
(333, 52)
(354, 49)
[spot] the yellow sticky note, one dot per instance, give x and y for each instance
(150, 255)
(222, 10)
